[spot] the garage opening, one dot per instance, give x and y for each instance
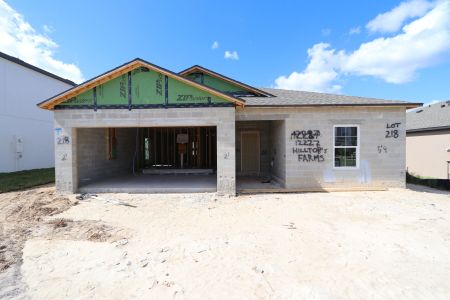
(147, 160)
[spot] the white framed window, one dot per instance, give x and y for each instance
(346, 146)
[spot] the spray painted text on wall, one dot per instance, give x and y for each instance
(307, 146)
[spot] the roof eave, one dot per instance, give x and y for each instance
(436, 128)
(406, 105)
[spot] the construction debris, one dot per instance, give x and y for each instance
(121, 242)
(291, 225)
(85, 196)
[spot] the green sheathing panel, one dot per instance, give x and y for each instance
(148, 87)
(86, 98)
(216, 83)
(113, 92)
(221, 85)
(183, 94)
(195, 77)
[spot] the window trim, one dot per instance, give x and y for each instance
(358, 146)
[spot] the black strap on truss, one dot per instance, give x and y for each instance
(166, 94)
(129, 90)
(95, 98)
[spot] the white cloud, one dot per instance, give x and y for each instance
(215, 45)
(233, 55)
(18, 38)
(422, 43)
(393, 20)
(317, 75)
(355, 30)
(48, 29)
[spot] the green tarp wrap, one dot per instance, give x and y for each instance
(147, 88)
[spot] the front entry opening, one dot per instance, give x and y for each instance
(147, 160)
(260, 155)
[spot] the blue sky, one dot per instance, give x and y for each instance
(353, 48)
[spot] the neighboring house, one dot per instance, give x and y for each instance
(428, 141)
(25, 131)
(151, 125)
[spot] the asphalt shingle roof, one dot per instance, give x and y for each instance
(300, 98)
(430, 117)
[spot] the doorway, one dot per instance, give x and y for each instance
(250, 156)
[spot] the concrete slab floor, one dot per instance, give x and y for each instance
(149, 183)
(256, 183)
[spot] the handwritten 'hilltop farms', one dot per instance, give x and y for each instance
(307, 146)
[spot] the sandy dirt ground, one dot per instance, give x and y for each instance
(347, 245)
(28, 214)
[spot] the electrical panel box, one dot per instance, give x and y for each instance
(182, 138)
(19, 144)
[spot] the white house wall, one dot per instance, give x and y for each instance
(428, 153)
(20, 89)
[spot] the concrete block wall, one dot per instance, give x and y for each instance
(66, 171)
(382, 159)
(92, 158)
(67, 121)
(278, 149)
